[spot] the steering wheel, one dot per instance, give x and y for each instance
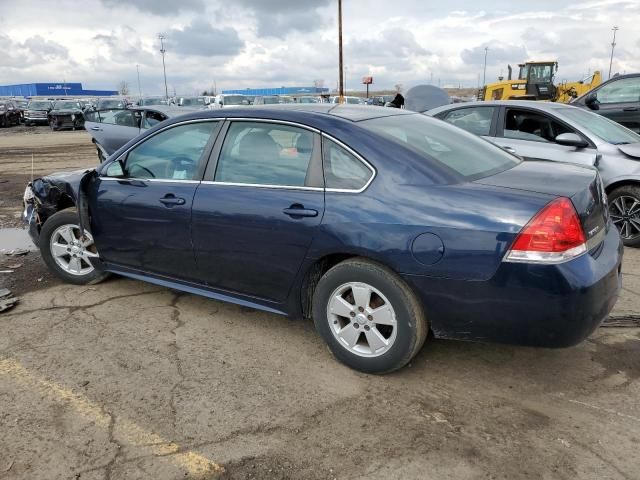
(142, 168)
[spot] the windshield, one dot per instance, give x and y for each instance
(153, 101)
(39, 105)
(465, 153)
(194, 101)
(235, 100)
(67, 106)
(21, 103)
(602, 127)
(111, 104)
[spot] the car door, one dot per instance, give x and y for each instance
(151, 118)
(530, 133)
(113, 128)
(620, 101)
(141, 217)
(256, 214)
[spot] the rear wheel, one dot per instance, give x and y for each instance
(624, 208)
(368, 316)
(68, 253)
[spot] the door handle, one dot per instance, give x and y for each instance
(171, 201)
(97, 129)
(298, 211)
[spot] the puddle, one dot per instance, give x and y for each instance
(15, 238)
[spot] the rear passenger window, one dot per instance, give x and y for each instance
(265, 154)
(472, 119)
(342, 170)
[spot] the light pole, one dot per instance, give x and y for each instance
(139, 88)
(484, 73)
(340, 73)
(613, 45)
(164, 68)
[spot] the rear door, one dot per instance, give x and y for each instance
(620, 101)
(256, 214)
(531, 133)
(113, 128)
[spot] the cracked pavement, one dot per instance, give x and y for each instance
(127, 380)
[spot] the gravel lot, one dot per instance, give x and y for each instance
(126, 380)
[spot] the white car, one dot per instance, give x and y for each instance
(229, 100)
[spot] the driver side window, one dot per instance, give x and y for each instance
(173, 154)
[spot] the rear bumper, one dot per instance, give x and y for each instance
(525, 304)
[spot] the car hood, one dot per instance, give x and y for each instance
(632, 149)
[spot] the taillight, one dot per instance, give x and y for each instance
(554, 235)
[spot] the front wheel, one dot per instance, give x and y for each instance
(66, 252)
(368, 316)
(624, 209)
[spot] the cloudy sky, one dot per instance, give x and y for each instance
(255, 43)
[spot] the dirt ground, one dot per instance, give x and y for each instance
(126, 380)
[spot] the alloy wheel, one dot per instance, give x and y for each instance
(362, 319)
(72, 251)
(625, 214)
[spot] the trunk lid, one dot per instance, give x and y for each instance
(581, 184)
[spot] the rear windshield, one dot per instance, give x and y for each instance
(607, 130)
(466, 154)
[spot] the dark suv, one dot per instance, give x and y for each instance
(66, 114)
(9, 113)
(618, 99)
(37, 112)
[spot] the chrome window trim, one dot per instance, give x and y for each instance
(358, 157)
(281, 122)
(153, 180)
(260, 185)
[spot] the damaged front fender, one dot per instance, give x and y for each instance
(48, 195)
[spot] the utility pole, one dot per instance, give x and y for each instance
(164, 68)
(613, 45)
(139, 88)
(341, 74)
(484, 74)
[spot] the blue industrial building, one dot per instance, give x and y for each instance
(280, 91)
(50, 89)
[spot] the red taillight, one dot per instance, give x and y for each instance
(554, 235)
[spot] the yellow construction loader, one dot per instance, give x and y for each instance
(535, 82)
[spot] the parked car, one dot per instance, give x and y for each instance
(106, 103)
(111, 129)
(149, 101)
(37, 112)
(193, 102)
(563, 133)
(349, 100)
(380, 224)
(21, 106)
(66, 114)
(272, 100)
(9, 114)
(309, 99)
(617, 99)
(230, 100)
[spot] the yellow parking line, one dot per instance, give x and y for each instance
(127, 431)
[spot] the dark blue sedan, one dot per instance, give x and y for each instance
(380, 224)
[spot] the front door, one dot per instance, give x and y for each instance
(141, 218)
(531, 134)
(255, 218)
(113, 128)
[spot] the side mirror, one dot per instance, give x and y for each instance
(571, 140)
(592, 102)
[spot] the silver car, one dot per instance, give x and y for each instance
(562, 133)
(110, 129)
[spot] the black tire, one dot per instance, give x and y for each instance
(55, 221)
(3, 122)
(411, 323)
(619, 198)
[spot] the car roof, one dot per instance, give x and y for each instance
(354, 113)
(169, 110)
(544, 106)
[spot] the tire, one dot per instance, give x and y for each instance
(52, 243)
(624, 209)
(3, 122)
(403, 328)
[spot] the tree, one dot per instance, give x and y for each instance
(123, 88)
